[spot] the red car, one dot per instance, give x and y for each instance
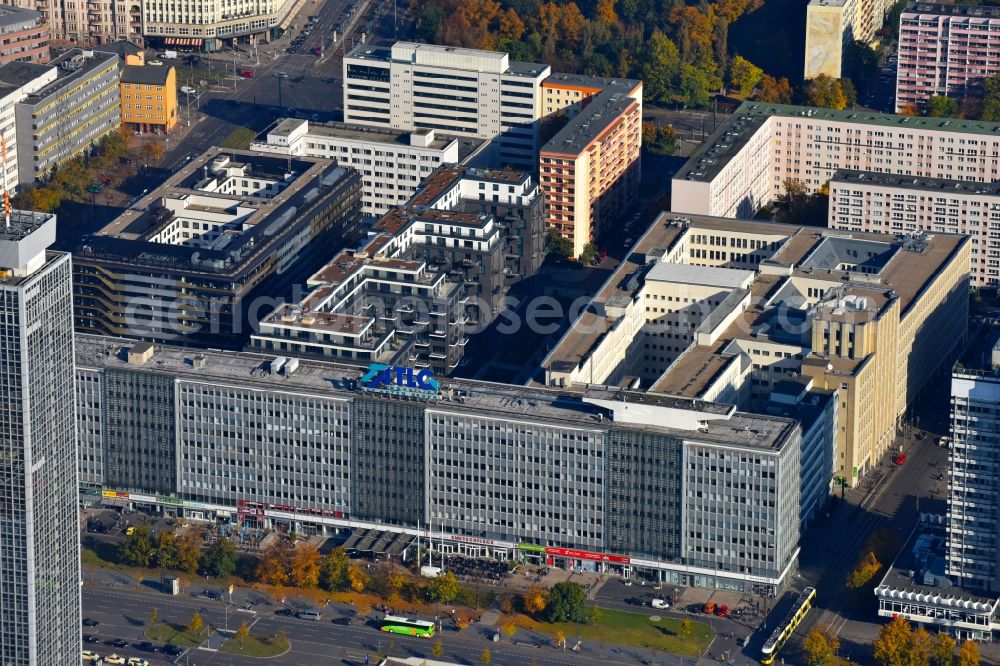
(901, 459)
(247, 74)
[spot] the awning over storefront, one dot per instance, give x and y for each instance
(182, 41)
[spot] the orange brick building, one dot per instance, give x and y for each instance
(590, 170)
(149, 98)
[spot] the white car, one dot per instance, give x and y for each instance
(155, 62)
(114, 659)
(188, 90)
(91, 656)
(137, 661)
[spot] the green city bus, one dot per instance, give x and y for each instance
(395, 624)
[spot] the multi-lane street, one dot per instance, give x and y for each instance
(122, 613)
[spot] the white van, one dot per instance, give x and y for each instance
(308, 615)
(659, 603)
(430, 572)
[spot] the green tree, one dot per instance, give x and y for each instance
(825, 91)
(333, 570)
(659, 139)
(196, 624)
(660, 68)
(990, 108)
(695, 86)
(588, 254)
(797, 205)
(968, 654)
(744, 75)
(557, 245)
(220, 559)
(943, 650)
(939, 106)
(438, 648)
(154, 616)
(444, 588)
(137, 550)
(566, 603)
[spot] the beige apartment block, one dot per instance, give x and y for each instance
(889, 204)
(88, 22)
(730, 309)
(744, 164)
(831, 25)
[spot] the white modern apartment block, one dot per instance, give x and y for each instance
(945, 49)
(392, 163)
(884, 203)
(464, 92)
(17, 81)
(744, 164)
(974, 477)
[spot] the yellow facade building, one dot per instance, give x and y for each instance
(590, 169)
(149, 98)
(735, 308)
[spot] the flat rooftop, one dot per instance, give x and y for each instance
(261, 221)
(502, 401)
(708, 276)
(15, 16)
(750, 117)
(384, 54)
(913, 263)
(921, 561)
(23, 223)
(973, 11)
(942, 186)
(600, 112)
(71, 66)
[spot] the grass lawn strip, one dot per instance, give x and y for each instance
(240, 138)
(256, 646)
(632, 629)
(178, 634)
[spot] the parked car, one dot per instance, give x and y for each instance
(172, 650)
(91, 638)
(114, 659)
(146, 646)
(137, 661)
(91, 656)
(659, 603)
(247, 73)
(308, 615)
(119, 643)
(155, 63)
(901, 459)
(343, 621)
(188, 90)
(87, 622)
